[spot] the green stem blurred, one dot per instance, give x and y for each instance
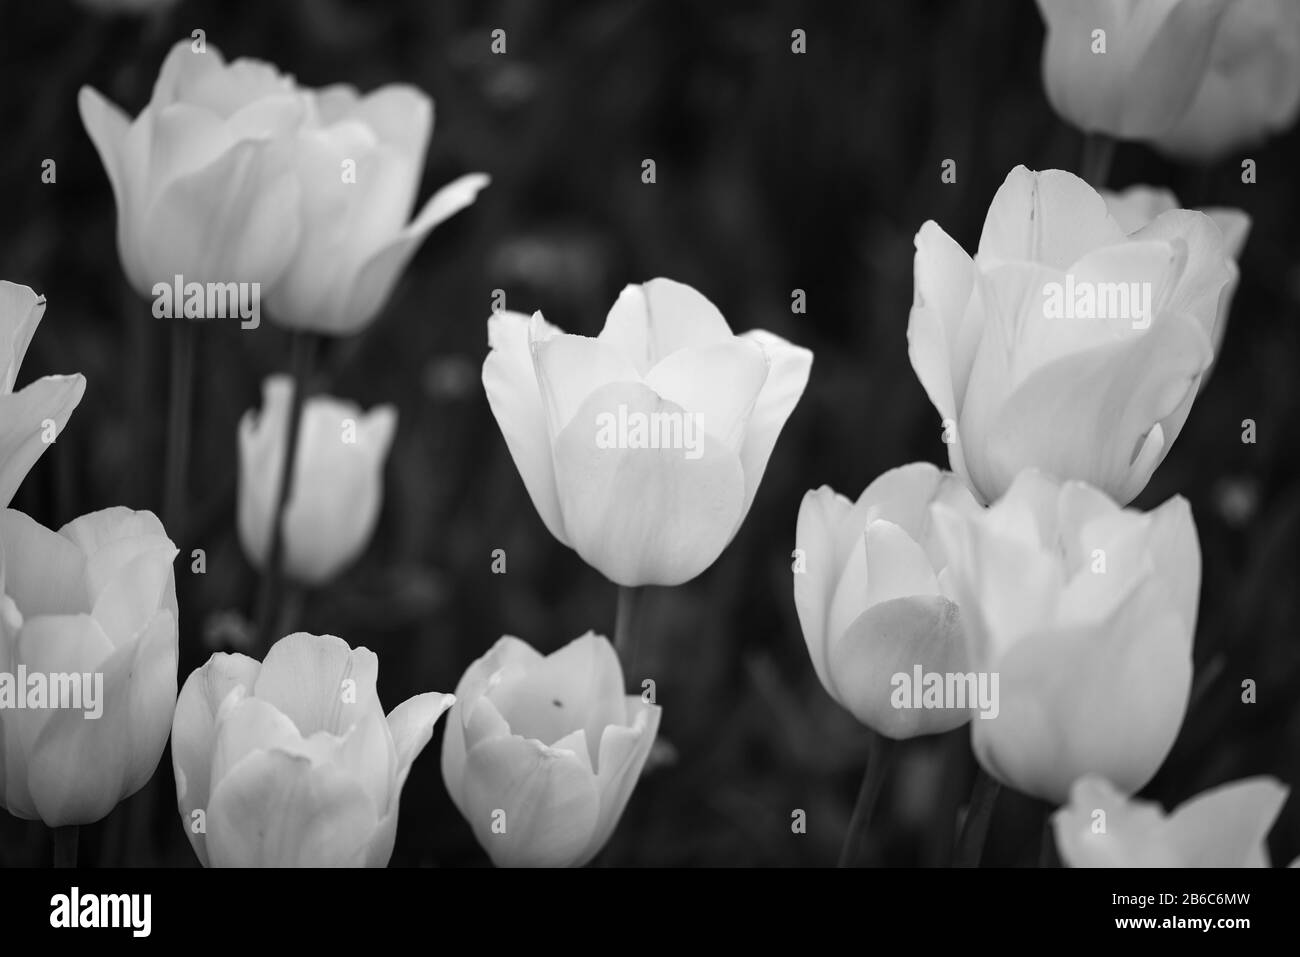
(180, 406)
(302, 352)
(879, 760)
(625, 634)
(65, 845)
(1098, 152)
(979, 814)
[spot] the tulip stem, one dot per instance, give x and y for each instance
(302, 352)
(65, 845)
(1098, 152)
(979, 814)
(625, 635)
(180, 406)
(879, 761)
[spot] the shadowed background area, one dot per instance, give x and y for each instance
(775, 172)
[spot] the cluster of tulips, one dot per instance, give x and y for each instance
(1024, 562)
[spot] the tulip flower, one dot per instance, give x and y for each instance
(642, 448)
(1086, 612)
(33, 417)
(868, 587)
(1066, 343)
(87, 662)
(337, 480)
(542, 752)
(1223, 827)
(1196, 78)
(1138, 206)
(1251, 85)
(358, 162)
(203, 177)
(291, 762)
(1126, 68)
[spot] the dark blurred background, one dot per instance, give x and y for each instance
(775, 171)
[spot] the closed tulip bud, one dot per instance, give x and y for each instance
(87, 662)
(291, 762)
(1225, 826)
(1138, 206)
(1066, 343)
(1127, 68)
(337, 479)
(1250, 88)
(869, 590)
(203, 177)
(542, 752)
(642, 448)
(358, 162)
(1086, 612)
(33, 417)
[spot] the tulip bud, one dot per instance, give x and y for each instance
(358, 163)
(1127, 68)
(291, 762)
(542, 752)
(642, 448)
(1066, 343)
(337, 480)
(33, 417)
(868, 587)
(1086, 612)
(87, 662)
(203, 177)
(1225, 826)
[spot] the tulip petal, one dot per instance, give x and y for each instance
(569, 370)
(1131, 836)
(719, 383)
(21, 310)
(379, 274)
(319, 683)
(45, 574)
(1068, 418)
(896, 565)
(81, 768)
(1051, 217)
(544, 802)
(942, 331)
(645, 516)
(893, 637)
(624, 748)
(276, 809)
(825, 537)
(1227, 826)
(25, 419)
(650, 322)
(516, 403)
(194, 735)
(261, 210)
(787, 376)
(1208, 268)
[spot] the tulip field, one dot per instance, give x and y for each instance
(643, 435)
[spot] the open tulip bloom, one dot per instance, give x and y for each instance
(1197, 78)
(869, 588)
(642, 448)
(26, 415)
(291, 762)
(1066, 343)
(234, 173)
(1086, 612)
(88, 643)
(1226, 826)
(542, 753)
